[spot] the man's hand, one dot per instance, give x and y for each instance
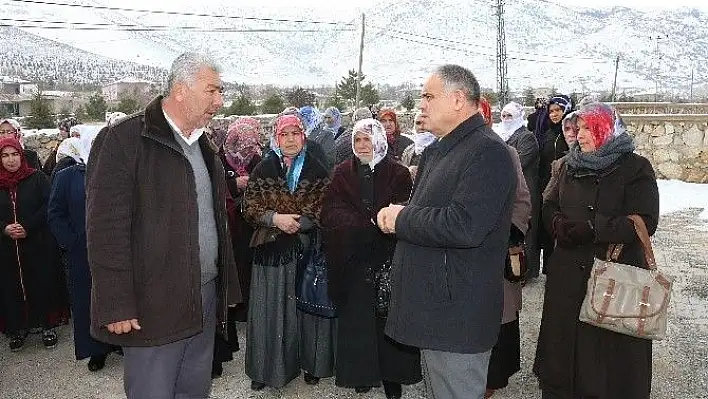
(386, 218)
(123, 327)
(287, 223)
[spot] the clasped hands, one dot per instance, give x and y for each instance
(386, 218)
(571, 233)
(15, 231)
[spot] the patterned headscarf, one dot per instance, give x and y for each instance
(69, 148)
(293, 165)
(336, 116)
(361, 114)
(311, 118)
(242, 144)
(376, 132)
(384, 113)
(9, 180)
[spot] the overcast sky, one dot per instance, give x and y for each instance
(352, 4)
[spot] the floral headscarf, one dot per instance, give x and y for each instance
(376, 132)
(336, 116)
(9, 180)
(311, 118)
(293, 165)
(69, 148)
(242, 144)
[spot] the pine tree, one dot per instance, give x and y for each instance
(408, 102)
(242, 106)
(42, 117)
(96, 107)
(273, 104)
(299, 97)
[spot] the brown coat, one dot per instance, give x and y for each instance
(574, 358)
(142, 231)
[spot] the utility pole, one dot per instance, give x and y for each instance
(658, 57)
(502, 79)
(691, 95)
(361, 61)
(614, 85)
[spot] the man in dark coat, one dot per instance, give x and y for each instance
(446, 280)
(159, 248)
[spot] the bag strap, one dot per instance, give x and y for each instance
(614, 250)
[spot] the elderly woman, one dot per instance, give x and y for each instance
(283, 202)
(343, 143)
(240, 154)
(397, 142)
(64, 127)
(513, 131)
(356, 249)
(333, 120)
(601, 182)
(12, 128)
(67, 220)
(31, 285)
(421, 140)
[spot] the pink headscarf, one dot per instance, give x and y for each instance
(285, 121)
(243, 142)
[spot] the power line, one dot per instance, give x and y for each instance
(94, 26)
(178, 13)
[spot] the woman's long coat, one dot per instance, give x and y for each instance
(573, 358)
(355, 247)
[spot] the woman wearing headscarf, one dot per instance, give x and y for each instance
(553, 146)
(344, 141)
(570, 133)
(68, 154)
(317, 132)
(421, 140)
(538, 112)
(67, 220)
(12, 128)
(31, 284)
(505, 359)
(397, 142)
(513, 131)
(64, 126)
(601, 182)
(356, 249)
(240, 154)
(333, 120)
(485, 109)
(283, 202)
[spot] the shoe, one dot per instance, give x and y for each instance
(393, 390)
(49, 339)
(488, 393)
(257, 386)
(17, 342)
(97, 363)
(311, 379)
(217, 370)
(362, 389)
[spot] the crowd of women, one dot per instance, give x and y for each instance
(316, 188)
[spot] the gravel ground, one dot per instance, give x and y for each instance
(680, 361)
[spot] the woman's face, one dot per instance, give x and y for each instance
(389, 124)
(329, 120)
(570, 132)
(585, 139)
(6, 129)
(290, 140)
(555, 113)
(363, 147)
(11, 159)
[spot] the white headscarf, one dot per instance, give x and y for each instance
(508, 127)
(422, 140)
(69, 148)
(114, 117)
(85, 143)
(376, 132)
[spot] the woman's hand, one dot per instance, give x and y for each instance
(287, 223)
(15, 231)
(242, 182)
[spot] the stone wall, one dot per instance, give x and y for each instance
(676, 144)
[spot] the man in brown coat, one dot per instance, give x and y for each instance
(158, 244)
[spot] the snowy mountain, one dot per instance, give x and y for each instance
(548, 45)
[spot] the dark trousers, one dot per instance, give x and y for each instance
(178, 370)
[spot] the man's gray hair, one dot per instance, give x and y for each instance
(455, 77)
(186, 67)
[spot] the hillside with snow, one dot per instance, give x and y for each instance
(572, 49)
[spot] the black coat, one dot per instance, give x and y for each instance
(527, 147)
(355, 247)
(33, 159)
(36, 269)
(575, 359)
(452, 242)
(552, 148)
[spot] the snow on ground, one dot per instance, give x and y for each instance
(676, 195)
